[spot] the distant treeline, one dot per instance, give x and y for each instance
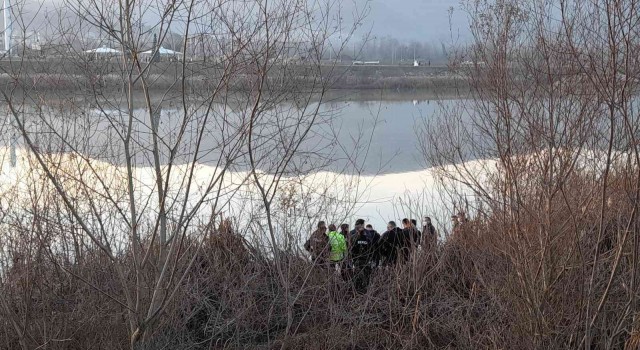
(390, 50)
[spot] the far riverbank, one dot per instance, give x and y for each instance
(105, 76)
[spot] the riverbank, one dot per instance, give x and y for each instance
(194, 77)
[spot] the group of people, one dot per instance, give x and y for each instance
(360, 250)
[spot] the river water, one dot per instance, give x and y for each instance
(373, 136)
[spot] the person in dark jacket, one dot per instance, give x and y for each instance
(429, 234)
(361, 251)
(359, 222)
(427, 227)
(429, 240)
(391, 244)
(353, 233)
(374, 236)
(417, 235)
(410, 238)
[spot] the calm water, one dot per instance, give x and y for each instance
(375, 133)
(389, 130)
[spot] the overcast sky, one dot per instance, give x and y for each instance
(422, 20)
(406, 20)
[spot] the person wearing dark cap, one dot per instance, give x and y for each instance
(318, 244)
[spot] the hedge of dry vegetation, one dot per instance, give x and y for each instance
(489, 285)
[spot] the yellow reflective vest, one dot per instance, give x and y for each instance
(338, 246)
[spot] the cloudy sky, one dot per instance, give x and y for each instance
(421, 20)
(406, 20)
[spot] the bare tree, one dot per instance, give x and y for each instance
(150, 162)
(546, 144)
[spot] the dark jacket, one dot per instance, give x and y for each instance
(390, 244)
(371, 234)
(376, 246)
(429, 236)
(361, 250)
(411, 239)
(429, 230)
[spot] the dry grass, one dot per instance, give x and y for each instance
(478, 290)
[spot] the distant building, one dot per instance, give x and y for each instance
(163, 54)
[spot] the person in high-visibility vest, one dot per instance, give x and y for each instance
(338, 245)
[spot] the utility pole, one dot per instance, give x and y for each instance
(13, 145)
(7, 27)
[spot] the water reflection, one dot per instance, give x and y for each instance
(375, 136)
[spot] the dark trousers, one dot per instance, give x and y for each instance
(361, 277)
